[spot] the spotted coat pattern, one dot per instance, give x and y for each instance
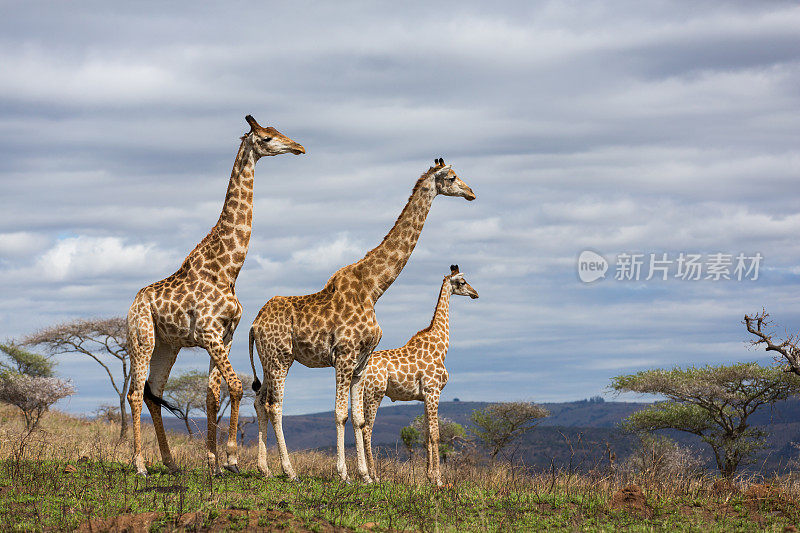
(336, 327)
(415, 371)
(197, 306)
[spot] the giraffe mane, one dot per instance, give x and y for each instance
(433, 318)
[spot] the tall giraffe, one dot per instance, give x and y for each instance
(336, 326)
(415, 372)
(197, 306)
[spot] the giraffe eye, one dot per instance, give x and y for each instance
(266, 139)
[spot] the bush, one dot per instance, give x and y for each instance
(32, 394)
(658, 456)
(450, 434)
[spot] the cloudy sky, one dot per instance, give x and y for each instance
(639, 127)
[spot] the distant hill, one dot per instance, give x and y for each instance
(590, 426)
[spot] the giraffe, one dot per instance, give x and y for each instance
(336, 327)
(415, 372)
(197, 306)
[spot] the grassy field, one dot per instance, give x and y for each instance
(72, 474)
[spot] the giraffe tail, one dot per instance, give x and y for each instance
(256, 381)
(148, 393)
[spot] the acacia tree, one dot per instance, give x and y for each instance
(762, 327)
(712, 402)
(500, 424)
(27, 382)
(21, 361)
(103, 340)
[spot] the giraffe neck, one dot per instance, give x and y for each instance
(440, 323)
(224, 249)
(381, 266)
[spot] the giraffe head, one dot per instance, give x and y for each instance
(269, 141)
(458, 285)
(447, 181)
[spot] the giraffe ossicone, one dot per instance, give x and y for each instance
(197, 306)
(336, 327)
(415, 371)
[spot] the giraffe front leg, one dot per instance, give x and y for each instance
(236, 393)
(373, 400)
(432, 416)
(343, 378)
(357, 406)
(212, 406)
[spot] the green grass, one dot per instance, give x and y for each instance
(40, 495)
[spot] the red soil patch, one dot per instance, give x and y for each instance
(631, 499)
(225, 520)
(723, 487)
(760, 492)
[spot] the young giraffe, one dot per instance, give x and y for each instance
(415, 372)
(197, 306)
(337, 326)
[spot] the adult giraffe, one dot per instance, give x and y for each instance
(197, 306)
(336, 326)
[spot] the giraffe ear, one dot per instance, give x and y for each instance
(253, 124)
(453, 269)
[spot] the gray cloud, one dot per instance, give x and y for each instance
(648, 127)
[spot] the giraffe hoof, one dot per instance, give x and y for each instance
(232, 468)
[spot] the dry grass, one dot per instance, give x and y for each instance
(72, 470)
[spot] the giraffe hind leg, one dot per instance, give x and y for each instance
(160, 366)
(141, 341)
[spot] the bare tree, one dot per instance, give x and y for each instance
(500, 424)
(32, 394)
(242, 428)
(186, 394)
(712, 402)
(98, 339)
(761, 326)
